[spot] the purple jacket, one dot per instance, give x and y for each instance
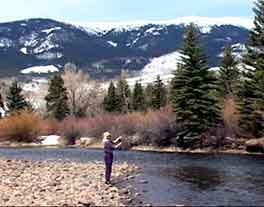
(108, 150)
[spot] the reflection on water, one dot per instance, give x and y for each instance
(257, 183)
(202, 178)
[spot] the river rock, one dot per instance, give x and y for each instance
(255, 145)
(56, 183)
(86, 141)
(124, 191)
(143, 182)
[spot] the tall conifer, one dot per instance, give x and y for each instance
(138, 100)
(191, 90)
(252, 90)
(111, 101)
(229, 73)
(15, 99)
(57, 99)
(159, 95)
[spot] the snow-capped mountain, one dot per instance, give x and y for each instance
(204, 23)
(104, 49)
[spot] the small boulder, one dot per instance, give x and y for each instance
(143, 182)
(255, 145)
(86, 141)
(124, 191)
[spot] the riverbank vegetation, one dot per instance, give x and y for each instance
(199, 108)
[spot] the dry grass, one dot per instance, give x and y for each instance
(151, 126)
(22, 126)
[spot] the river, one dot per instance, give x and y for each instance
(177, 179)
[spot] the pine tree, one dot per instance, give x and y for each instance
(111, 101)
(57, 100)
(123, 96)
(149, 95)
(1, 101)
(15, 100)
(138, 100)
(191, 90)
(1, 105)
(252, 90)
(159, 95)
(229, 73)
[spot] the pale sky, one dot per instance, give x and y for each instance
(122, 10)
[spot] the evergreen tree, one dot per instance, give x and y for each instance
(15, 99)
(1, 105)
(111, 101)
(252, 90)
(149, 95)
(159, 95)
(123, 96)
(57, 100)
(1, 101)
(191, 90)
(138, 99)
(228, 73)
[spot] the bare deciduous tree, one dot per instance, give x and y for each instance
(84, 93)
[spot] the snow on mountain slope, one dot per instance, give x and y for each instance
(205, 23)
(48, 31)
(114, 44)
(40, 69)
(237, 50)
(24, 50)
(163, 65)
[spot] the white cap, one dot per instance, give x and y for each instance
(106, 135)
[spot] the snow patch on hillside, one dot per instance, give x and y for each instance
(35, 85)
(114, 44)
(51, 30)
(40, 69)
(163, 65)
(24, 50)
(49, 55)
(45, 46)
(154, 30)
(29, 40)
(238, 50)
(5, 42)
(147, 79)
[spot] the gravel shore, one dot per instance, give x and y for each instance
(61, 183)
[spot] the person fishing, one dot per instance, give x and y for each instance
(109, 146)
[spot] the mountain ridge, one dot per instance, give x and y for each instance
(42, 42)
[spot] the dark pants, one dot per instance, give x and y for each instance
(108, 166)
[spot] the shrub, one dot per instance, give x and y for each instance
(152, 127)
(70, 129)
(21, 127)
(49, 127)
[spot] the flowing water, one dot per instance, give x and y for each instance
(177, 179)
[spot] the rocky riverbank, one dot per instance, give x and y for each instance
(62, 183)
(208, 150)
